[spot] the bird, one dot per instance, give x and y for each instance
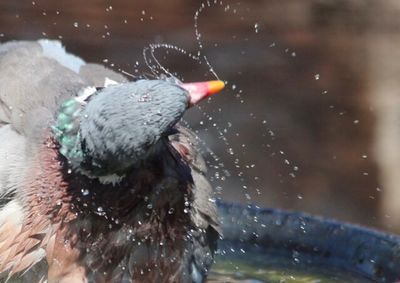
(99, 180)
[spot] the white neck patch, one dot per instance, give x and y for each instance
(85, 93)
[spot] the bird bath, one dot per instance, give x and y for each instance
(268, 245)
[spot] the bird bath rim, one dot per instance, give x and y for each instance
(349, 247)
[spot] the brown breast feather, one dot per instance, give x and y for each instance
(80, 245)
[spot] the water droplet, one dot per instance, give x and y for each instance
(316, 77)
(76, 24)
(256, 27)
(144, 98)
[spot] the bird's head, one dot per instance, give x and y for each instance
(110, 130)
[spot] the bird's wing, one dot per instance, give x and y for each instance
(98, 75)
(205, 209)
(35, 77)
(32, 83)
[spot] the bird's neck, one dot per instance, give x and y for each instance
(66, 131)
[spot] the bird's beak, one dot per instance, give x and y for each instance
(202, 90)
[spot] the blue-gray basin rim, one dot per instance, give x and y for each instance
(348, 247)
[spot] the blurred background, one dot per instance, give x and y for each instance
(310, 119)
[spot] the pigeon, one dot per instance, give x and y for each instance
(99, 181)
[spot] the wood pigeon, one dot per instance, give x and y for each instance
(98, 181)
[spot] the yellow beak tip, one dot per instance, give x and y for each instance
(215, 86)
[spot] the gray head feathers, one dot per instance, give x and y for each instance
(121, 123)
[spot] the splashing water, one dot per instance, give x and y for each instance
(219, 173)
(155, 66)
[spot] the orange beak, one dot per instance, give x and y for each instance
(202, 90)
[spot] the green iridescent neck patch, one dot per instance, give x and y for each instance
(66, 130)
